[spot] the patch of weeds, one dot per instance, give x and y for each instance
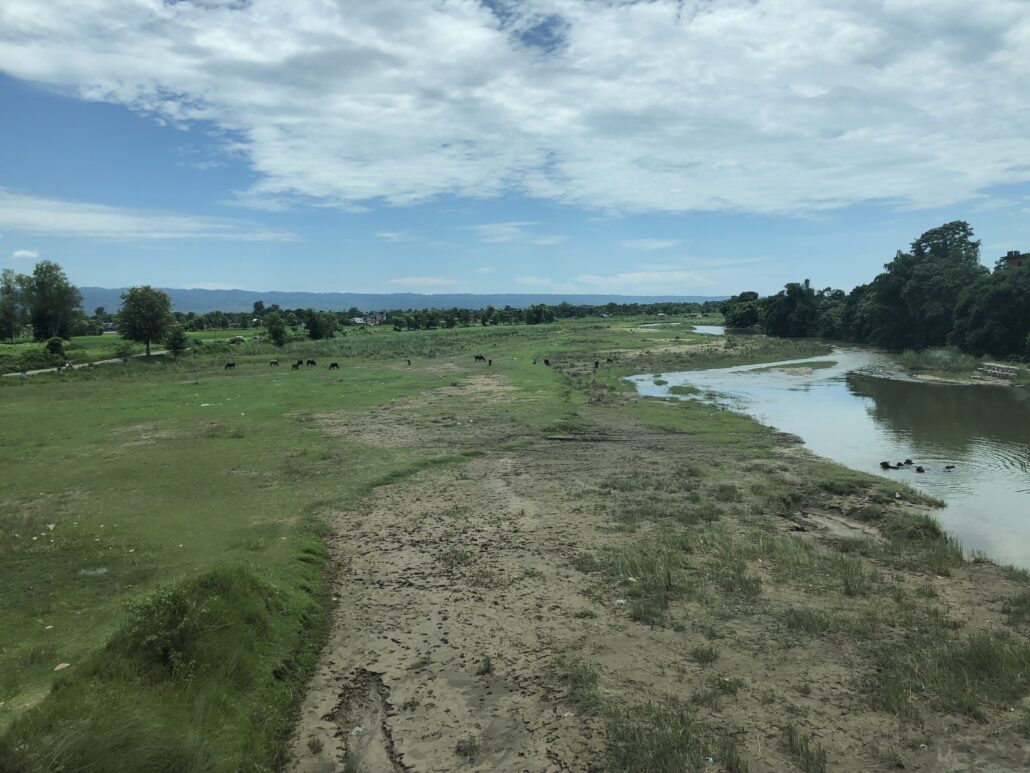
(468, 748)
(583, 682)
(667, 738)
(804, 620)
(732, 578)
(486, 666)
(728, 492)
(1015, 573)
(986, 667)
(810, 756)
(1017, 609)
(410, 705)
(533, 574)
(586, 563)
(315, 745)
(585, 614)
(704, 655)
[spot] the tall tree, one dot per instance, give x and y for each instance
(145, 315)
(53, 301)
(12, 303)
(993, 316)
(276, 328)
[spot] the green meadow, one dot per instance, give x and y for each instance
(120, 480)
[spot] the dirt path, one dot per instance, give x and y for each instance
(464, 606)
(453, 610)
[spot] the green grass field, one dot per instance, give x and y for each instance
(124, 479)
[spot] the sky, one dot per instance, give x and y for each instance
(673, 147)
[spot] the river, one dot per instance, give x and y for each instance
(864, 410)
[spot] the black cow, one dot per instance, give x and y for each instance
(534, 360)
(920, 469)
(409, 362)
(547, 362)
(479, 358)
(610, 361)
(490, 363)
(295, 366)
(597, 364)
(334, 366)
(273, 363)
(312, 363)
(230, 365)
(299, 363)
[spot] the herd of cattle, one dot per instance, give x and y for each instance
(231, 364)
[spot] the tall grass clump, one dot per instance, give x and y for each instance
(946, 359)
(667, 739)
(201, 676)
(962, 676)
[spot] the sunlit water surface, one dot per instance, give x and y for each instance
(863, 410)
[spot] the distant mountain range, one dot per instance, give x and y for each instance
(201, 301)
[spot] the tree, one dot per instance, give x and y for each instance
(320, 325)
(259, 309)
(145, 315)
(52, 300)
(992, 316)
(276, 328)
(12, 303)
(176, 342)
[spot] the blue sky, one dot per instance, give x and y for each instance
(600, 146)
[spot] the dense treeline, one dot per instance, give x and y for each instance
(936, 294)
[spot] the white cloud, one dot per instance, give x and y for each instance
(497, 233)
(485, 270)
(56, 217)
(422, 281)
(768, 106)
(394, 236)
(649, 245)
(24, 254)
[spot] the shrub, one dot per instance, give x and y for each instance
(55, 345)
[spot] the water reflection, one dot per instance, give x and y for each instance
(863, 411)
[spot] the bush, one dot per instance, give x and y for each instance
(37, 359)
(55, 345)
(200, 677)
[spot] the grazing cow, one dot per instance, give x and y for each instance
(534, 360)
(597, 364)
(409, 363)
(230, 365)
(334, 366)
(479, 358)
(295, 366)
(547, 363)
(312, 363)
(273, 363)
(299, 363)
(610, 361)
(490, 363)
